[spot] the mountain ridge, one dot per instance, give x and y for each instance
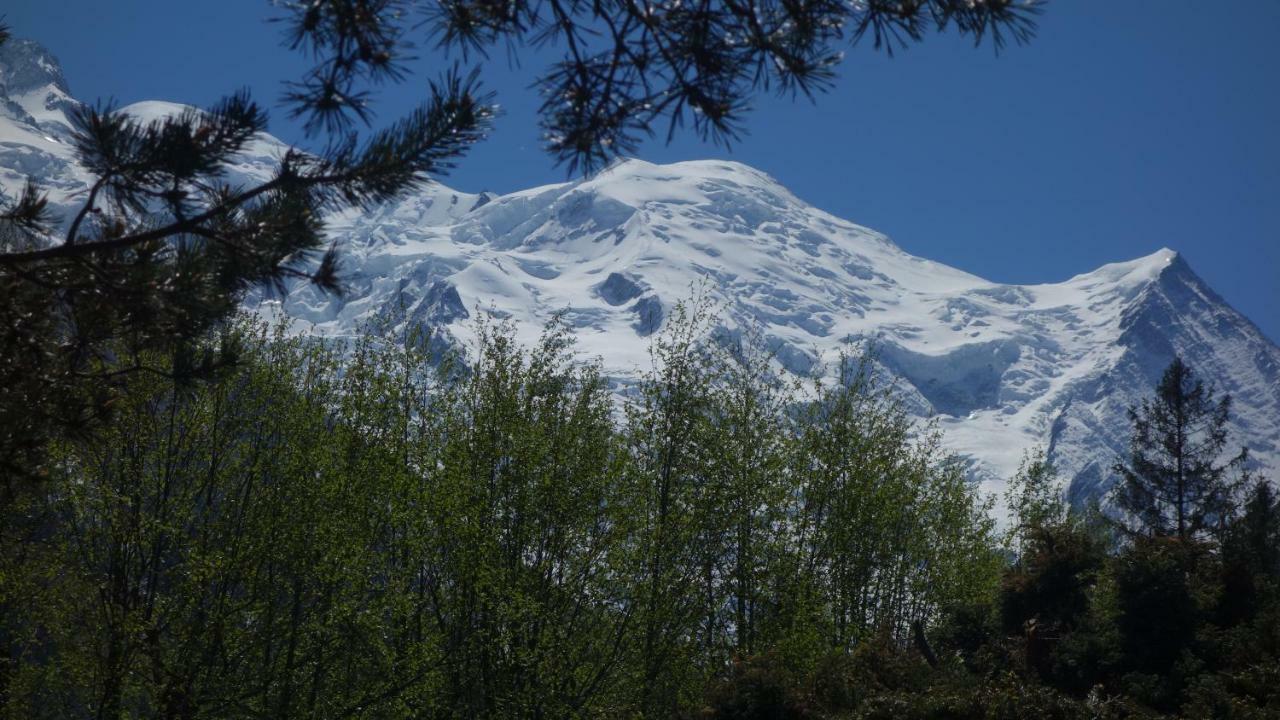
(1001, 367)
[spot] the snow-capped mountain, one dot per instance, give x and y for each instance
(1003, 367)
(35, 132)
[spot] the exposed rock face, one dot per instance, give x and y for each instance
(649, 315)
(618, 289)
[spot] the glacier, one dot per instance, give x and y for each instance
(1001, 368)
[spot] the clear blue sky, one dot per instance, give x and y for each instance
(1127, 125)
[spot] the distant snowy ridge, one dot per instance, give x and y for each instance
(1002, 367)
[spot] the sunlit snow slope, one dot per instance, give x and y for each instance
(1002, 367)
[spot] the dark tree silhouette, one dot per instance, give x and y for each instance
(1173, 483)
(164, 246)
(1254, 538)
(631, 66)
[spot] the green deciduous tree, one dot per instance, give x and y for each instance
(527, 574)
(678, 511)
(312, 536)
(1033, 499)
(754, 448)
(889, 526)
(324, 532)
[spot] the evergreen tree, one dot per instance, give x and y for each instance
(1251, 557)
(1158, 610)
(164, 246)
(1173, 483)
(1254, 537)
(1045, 594)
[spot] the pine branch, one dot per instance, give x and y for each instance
(30, 212)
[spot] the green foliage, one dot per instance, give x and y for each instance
(1033, 499)
(528, 542)
(1049, 591)
(758, 688)
(1047, 594)
(1170, 623)
(890, 528)
(1253, 540)
(331, 532)
(1158, 613)
(208, 560)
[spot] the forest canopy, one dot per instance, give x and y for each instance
(365, 532)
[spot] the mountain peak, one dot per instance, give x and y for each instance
(1152, 267)
(149, 110)
(1131, 273)
(715, 171)
(26, 66)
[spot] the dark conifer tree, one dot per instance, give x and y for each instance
(1174, 483)
(1251, 557)
(1254, 537)
(164, 246)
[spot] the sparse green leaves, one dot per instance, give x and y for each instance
(351, 532)
(1033, 498)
